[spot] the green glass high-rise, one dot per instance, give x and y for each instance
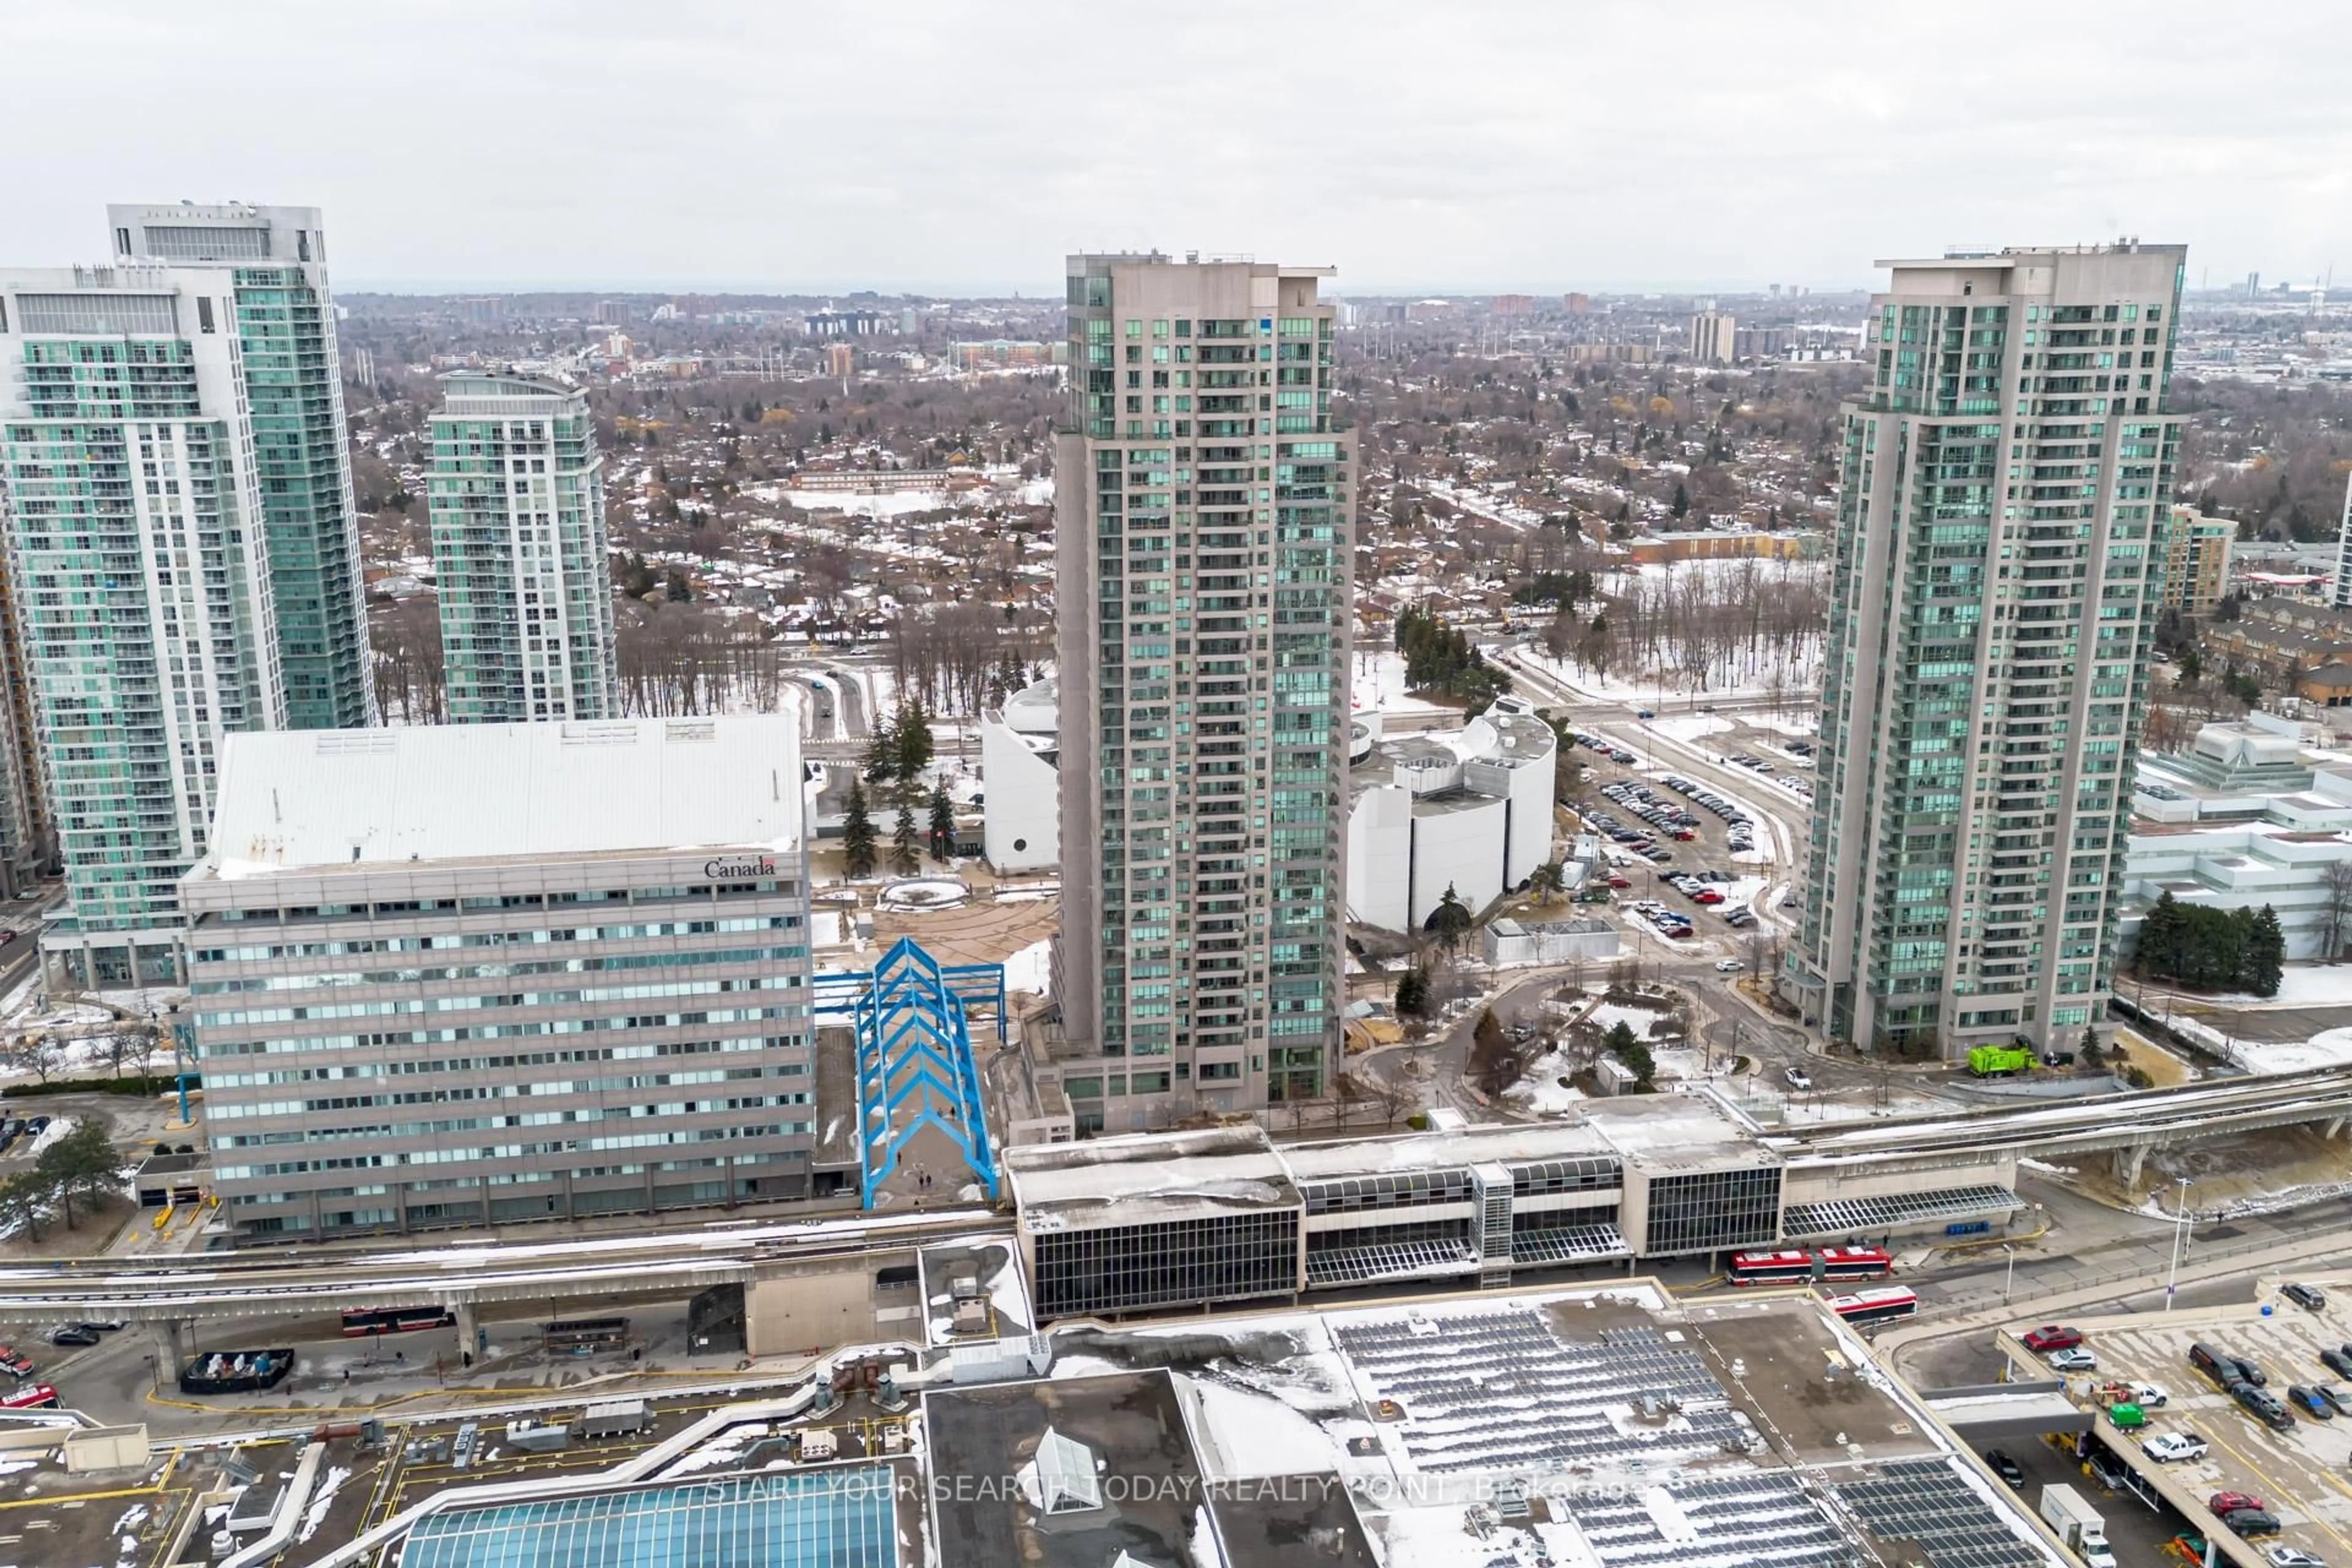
(140, 584)
(1203, 513)
(275, 260)
(1999, 571)
(517, 498)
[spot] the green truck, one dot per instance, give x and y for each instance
(1999, 1061)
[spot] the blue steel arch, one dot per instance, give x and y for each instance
(913, 1052)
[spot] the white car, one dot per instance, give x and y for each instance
(1796, 1077)
(1729, 966)
(2149, 1395)
(2074, 1360)
(2172, 1446)
(2294, 1557)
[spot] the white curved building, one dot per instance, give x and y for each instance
(1021, 780)
(1470, 809)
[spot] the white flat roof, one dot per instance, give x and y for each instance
(329, 799)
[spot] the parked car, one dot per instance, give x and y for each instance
(2294, 1557)
(2335, 1396)
(2053, 1337)
(1728, 966)
(73, 1334)
(2107, 1469)
(2338, 1362)
(2007, 1469)
(2262, 1406)
(2221, 1503)
(1796, 1077)
(102, 1325)
(2251, 1521)
(2149, 1395)
(2307, 1297)
(2175, 1447)
(2074, 1360)
(2313, 1403)
(2247, 1371)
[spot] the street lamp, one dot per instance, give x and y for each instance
(2180, 1225)
(2008, 1280)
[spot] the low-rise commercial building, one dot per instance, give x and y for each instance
(497, 973)
(2241, 819)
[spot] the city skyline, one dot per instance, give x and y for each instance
(1512, 150)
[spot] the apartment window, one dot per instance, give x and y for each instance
(203, 313)
(1134, 327)
(123, 242)
(1183, 328)
(1160, 328)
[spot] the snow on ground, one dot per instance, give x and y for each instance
(1541, 1090)
(825, 928)
(57, 1128)
(1379, 683)
(1031, 969)
(2304, 986)
(2328, 1048)
(1606, 1015)
(1690, 726)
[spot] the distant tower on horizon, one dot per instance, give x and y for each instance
(273, 263)
(517, 503)
(2001, 535)
(1204, 524)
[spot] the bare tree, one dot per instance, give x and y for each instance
(2336, 909)
(39, 1055)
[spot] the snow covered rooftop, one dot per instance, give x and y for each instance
(322, 800)
(1147, 1178)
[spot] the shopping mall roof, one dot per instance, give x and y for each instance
(1147, 1178)
(314, 800)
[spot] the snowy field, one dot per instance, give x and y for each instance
(1379, 684)
(1031, 969)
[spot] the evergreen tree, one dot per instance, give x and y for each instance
(1412, 993)
(910, 733)
(2265, 954)
(943, 823)
(881, 755)
(857, 832)
(1450, 920)
(904, 860)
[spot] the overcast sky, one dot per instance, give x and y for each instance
(964, 148)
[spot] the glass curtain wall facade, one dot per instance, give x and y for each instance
(140, 580)
(275, 261)
(1204, 521)
(516, 501)
(1999, 573)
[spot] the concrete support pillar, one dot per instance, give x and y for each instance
(2334, 1128)
(467, 1329)
(168, 1337)
(2128, 1160)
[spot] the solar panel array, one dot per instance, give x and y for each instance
(1567, 1244)
(1733, 1522)
(813, 1519)
(1925, 1500)
(1500, 1391)
(1845, 1217)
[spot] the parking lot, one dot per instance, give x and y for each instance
(2297, 1469)
(1676, 846)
